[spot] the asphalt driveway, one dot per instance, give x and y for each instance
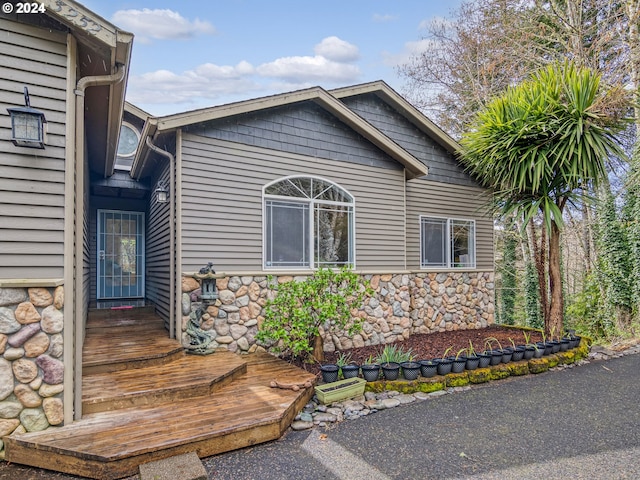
(576, 423)
(579, 423)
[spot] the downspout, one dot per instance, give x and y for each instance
(172, 215)
(81, 86)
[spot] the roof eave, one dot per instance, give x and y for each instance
(414, 167)
(409, 111)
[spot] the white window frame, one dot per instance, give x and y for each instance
(449, 264)
(311, 202)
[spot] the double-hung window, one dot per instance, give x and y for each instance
(447, 243)
(308, 223)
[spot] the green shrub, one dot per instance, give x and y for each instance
(294, 317)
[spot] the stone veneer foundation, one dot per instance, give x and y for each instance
(403, 305)
(31, 368)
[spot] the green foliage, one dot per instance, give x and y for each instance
(294, 317)
(539, 144)
(631, 224)
(393, 353)
(615, 261)
(586, 312)
(532, 296)
(542, 140)
(508, 287)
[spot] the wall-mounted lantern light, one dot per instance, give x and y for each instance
(162, 192)
(27, 125)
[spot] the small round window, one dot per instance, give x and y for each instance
(129, 138)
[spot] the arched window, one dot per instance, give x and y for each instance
(308, 223)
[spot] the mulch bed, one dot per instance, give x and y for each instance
(433, 345)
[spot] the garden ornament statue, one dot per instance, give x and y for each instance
(201, 341)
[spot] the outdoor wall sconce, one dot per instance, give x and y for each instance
(27, 125)
(162, 192)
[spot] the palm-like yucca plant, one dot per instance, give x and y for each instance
(539, 146)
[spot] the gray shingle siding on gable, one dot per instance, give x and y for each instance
(442, 166)
(303, 129)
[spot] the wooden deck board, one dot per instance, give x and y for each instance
(171, 413)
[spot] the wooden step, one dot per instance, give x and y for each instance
(187, 377)
(104, 315)
(121, 349)
(110, 445)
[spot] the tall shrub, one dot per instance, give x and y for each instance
(294, 316)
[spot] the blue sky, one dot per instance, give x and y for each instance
(193, 54)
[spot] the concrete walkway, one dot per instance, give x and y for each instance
(579, 423)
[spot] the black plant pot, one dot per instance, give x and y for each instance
(350, 371)
(555, 346)
(329, 373)
(540, 349)
(484, 360)
(575, 341)
(370, 372)
(529, 352)
(428, 368)
(518, 353)
(473, 361)
(410, 370)
(496, 357)
(548, 348)
(565, 343)
(458, 365)
(507, 354)
(390, 370)
(444, 366)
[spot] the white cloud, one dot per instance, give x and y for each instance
(210, 84)
(208, 81)
(333, 48)
(316, 69)
(411, 49)
(379, 18)
(160, 24)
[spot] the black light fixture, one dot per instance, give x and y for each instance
(162, 192)
(27, 125)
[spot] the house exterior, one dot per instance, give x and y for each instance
(75, 67)
(276, 186)
(279, 186)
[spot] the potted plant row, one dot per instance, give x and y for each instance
(393, 361)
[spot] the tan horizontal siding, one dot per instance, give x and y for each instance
(222, 203)
(453, 201)
(32, 181)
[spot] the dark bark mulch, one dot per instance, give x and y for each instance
(433, 345)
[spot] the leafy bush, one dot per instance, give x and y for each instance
(294, 317)
(394, 354)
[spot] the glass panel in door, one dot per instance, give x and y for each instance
(120, 254)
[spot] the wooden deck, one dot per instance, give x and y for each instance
(156, 403)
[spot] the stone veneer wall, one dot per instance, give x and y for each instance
(403, 305)
(31, 368)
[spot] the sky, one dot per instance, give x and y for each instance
(193, 54)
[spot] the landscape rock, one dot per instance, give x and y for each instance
(26, 313)
(25, 370)
(12, 296)
(40, 297)
(53, 410)
(28, 398)
(17, 339)
(8, 322)
(34, 420)
(6, 379)
(52, 368)
(52, 320)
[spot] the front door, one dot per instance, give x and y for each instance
(120, 254)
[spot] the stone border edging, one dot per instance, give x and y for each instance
(483, 375)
